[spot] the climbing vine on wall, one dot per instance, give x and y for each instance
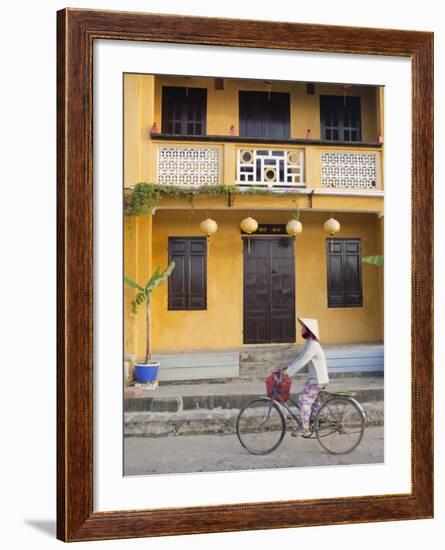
(143, 197)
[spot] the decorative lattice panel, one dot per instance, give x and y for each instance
(188, 165)
(349, 170)
(269, 167)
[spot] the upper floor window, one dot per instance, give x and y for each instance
(184, 110)
(340, 118)
(264, 115)
(344, 273)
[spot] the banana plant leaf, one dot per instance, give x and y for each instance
(152, 278)
(132, 283)
(374, 260)
(144, 292)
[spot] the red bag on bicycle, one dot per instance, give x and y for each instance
(278, 383)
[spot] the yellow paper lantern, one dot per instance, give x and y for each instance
(249, 225)
(208, 227)
(294, 228)
(331, 226)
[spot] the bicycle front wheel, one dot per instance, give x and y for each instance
(340, 425)
(261, 426)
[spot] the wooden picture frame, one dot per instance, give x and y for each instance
(77, 31)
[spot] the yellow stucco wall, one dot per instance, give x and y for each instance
(143, 107)
(222, 105)
(138, 266)
(221, 325)
(139, 108)
(145, 239)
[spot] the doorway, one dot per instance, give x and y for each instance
(269, 290)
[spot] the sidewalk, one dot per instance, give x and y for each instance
(210, 408)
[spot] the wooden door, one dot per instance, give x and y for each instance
(269, 290)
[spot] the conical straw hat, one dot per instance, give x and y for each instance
(310, 324)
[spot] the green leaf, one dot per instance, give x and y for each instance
(152, 278)
(165, 274)
(139, 299)
(374, 260)
(132, 283)
(157, 278)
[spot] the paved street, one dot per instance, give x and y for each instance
(211, 453)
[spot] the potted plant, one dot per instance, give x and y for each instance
(148, 370)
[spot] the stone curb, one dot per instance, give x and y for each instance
(234, 401)
(204, 421)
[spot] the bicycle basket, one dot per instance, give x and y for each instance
(278, 386)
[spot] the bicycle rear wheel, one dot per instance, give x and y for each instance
(260, 426)
(340, 425)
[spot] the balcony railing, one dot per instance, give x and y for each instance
(345, 167)
(184, 165)
(348, 170)
(270, 167)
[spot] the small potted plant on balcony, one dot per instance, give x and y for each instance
(148, 370)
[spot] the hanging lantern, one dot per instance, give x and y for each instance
(294, 228)
(249, 226)
(208, 227)
(331, 226)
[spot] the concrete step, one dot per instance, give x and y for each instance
(254, 361)
(210, 408)
(197, 366)
(227, 395)
(206, 422)
(347, 367)
(229, 401)
(358, 358)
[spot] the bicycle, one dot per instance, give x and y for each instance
(338, 423)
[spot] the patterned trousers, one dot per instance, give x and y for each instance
(306, 400)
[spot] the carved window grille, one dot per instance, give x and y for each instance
(349, 170)
(270, 168)
(188, 165)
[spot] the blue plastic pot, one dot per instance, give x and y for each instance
(146, 372)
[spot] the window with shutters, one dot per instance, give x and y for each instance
(187, 285)
(184, 110)
(340, 118)
(264, 115)
(344, 273)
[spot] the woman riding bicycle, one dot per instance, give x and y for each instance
(317, 376)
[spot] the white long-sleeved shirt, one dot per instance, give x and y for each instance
(314, 355)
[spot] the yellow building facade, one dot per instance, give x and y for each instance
(286, 149)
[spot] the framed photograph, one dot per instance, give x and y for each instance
(245, 229)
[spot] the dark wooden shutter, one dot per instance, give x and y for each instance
(184, 110)
(261, 116)
(187, 285)
(344, 273)
(340, 119)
